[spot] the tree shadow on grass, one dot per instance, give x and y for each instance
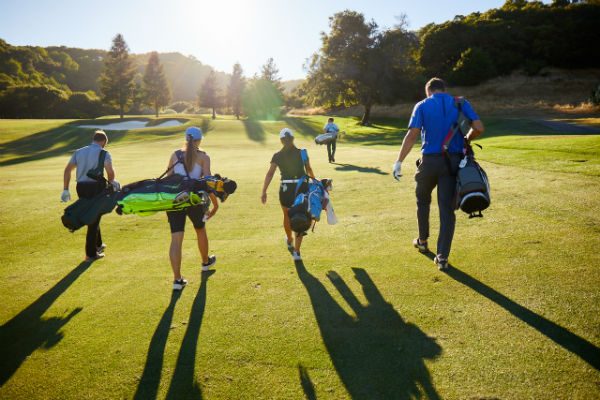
(358, 168)
(184, 384)
(148, 385)
(561, 336)
(28, 331)
(254, 130)
(69, 137)
(376, 354)
(303, 127)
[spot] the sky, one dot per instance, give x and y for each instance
(218, 33)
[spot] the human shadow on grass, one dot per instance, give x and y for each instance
(376, 354)
(560, 335)
(183, 383)
(307, 386)
(254, 130)
(148, 385)
(358, 168)
(28, 331)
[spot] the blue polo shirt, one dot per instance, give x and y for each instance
(435, 116)
(331, 127)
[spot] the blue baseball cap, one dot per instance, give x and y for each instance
(193, 133)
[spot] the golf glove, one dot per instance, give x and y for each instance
(65, 196)
(116, 186)
(397, 166)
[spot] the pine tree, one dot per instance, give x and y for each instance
(156, 89)
(235, 89)
(208, 95)
(270, 72)
(116, 81)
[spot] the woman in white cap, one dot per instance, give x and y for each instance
(293, 169)
(194, 163)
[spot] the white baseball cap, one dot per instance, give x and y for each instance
(285, 132)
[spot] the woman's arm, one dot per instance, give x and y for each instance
(205, 164)
(268, 179)
(309, 170)
(172, 161)
(215, 206)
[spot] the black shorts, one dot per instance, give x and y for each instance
(287, 193)
(177, 218)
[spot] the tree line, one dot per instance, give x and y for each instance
(358, 63)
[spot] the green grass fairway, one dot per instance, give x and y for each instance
(365, 316)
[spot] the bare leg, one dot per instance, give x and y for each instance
(175, 253)
(202, 244)
(286, 225)
(298, 243)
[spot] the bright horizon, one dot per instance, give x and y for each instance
(218, 33)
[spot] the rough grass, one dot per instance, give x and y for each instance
(365, 316)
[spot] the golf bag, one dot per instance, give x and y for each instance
(307, 206)
(85, 211)
(326, 138)
(172, 193)
(472, 188)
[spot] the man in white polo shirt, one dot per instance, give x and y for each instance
(84, 160)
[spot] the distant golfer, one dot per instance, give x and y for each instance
(331, 127)
(433, 118)
(293, 172)
(84, 160)
(195, 163)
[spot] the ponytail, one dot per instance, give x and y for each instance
(190, 153)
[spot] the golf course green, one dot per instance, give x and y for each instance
(363, 316)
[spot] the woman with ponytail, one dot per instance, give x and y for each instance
(193, 163)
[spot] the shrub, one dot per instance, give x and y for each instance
(473, 67)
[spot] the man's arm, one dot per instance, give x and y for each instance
(110, 172)
(407, 144)
(67, 175)
(268, 179)
(476, 130)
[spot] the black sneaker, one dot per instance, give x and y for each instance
(179, 284)
(212, 260)
(100, 249)
(421, 246)
(441, 263)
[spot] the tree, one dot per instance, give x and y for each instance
(156, 89)
(357, 64)
(235, 90)
(269, 71)
(208, 95)
(262, 100)
(116, 81)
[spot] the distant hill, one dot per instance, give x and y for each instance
(78, 70)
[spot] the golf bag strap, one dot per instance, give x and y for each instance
(458, 101)
(179, 155)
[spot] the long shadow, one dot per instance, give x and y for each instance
(28, 331)
(302, 127)
(183, 384)
(148, 386)
(358, 168)
(376, 354)
(69, 137)
(254, 130)
(560, 335)
(307, 386)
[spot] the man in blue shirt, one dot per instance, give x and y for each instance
(331, 127)
(433, 119)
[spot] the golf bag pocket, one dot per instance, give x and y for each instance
(472, 189)
(299, 214)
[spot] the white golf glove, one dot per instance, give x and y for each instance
(65, 196)
(396, 172)
(116, 186)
